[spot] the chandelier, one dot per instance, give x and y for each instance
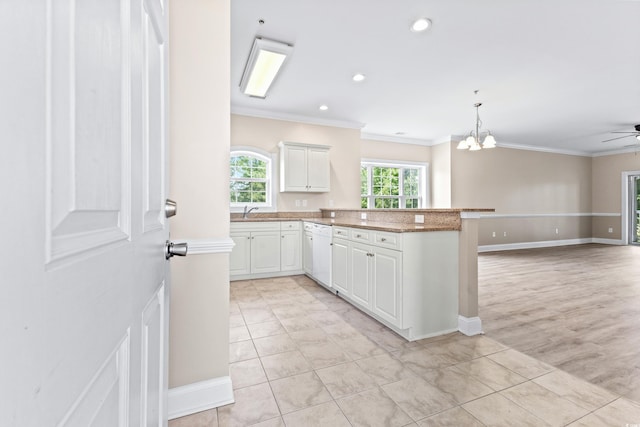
(472, 142)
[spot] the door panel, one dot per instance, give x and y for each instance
(88, 215)
(387, 288)
(360, 274)
(265, 252)
(340, 266)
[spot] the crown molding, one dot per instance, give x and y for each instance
(398, 139)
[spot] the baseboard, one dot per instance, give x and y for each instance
(531, 245)
(607, 241)
(200, 396)
(470, 325)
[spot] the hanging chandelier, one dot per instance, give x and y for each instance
(472, 142)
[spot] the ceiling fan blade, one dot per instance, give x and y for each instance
(620, 137)
(620, 131)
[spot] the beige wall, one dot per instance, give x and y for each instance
(199, 158)
(441, 175)
(539, 196)
(607, 192)
(344, 154)
(382, 150)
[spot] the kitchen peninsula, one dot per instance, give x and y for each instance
(414, 270)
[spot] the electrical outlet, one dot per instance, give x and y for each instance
(333, 214)
(420, 219)
(494, 234)
(297, 203)
(557, 232)
(610, 229)
(330, 203)
(304, 202)
(363, 215)
(505, 234)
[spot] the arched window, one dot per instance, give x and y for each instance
(251, 179)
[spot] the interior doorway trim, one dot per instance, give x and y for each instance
(625, 208)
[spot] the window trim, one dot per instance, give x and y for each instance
(424, 197)
(272, 167)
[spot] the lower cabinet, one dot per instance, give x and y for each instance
(360, 276)
(307, 252)
(340, 279)
(265, 249)
(386, 285)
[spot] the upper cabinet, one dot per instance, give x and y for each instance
(304, 167)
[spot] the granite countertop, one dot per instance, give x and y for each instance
(370, 225)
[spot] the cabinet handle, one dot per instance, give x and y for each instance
(248, 238)
(358, 235)
(283, 237)
(384, 239)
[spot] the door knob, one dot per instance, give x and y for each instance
(170, 208)
(171, 249)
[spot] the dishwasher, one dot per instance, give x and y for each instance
(321, 265)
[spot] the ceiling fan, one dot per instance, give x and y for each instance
(629, 133)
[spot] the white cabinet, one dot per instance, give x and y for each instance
(304, 167)
(321, 270)
(340, 266)
(386, 279)
(307, 249)
(290, 246)
(240, 258)
(360, 277)
(263, 250)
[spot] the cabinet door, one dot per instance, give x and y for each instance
(293, 168)
(318, 170)
(240, 258)
(340, 266)
(265, 251)
(360, 274)
(290, 251)
(307, 253)
(387, 285)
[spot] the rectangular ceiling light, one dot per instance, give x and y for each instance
(265, 60)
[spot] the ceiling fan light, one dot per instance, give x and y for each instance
(489, 142)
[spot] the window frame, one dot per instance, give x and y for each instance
(271, 166)
(423, 190)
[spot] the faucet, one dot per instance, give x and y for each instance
(247, 212)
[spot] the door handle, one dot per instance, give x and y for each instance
(170, 208)
(172, 249)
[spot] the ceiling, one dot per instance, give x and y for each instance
(552, 75)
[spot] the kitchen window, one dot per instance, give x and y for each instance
(393, 185)
(251, 181)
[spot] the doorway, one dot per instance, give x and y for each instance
(634, 209)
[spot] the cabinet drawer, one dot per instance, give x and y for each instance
(341, 232)
(289, 225)
(388, 240)
(360, 235)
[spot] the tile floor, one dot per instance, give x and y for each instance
(301, 356)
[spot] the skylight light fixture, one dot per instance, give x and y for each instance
(265, 61)
(472, 142)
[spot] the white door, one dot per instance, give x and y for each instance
(386, 281)
(290, 251)
(360, 257)
(318, 170)
(265, 251)
(340, 266)
(83, 306)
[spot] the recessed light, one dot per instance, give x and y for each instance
(420, 25)
(324, 107)
(358, 77)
